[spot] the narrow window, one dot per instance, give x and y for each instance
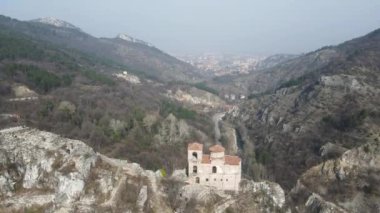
(215, 179)
(206, 179)
(214, 169)
(195, 169)
(195, 155)
(197, 180)
(227, 180)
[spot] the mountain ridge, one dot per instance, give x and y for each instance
(139, 57)
(126, 37)
(268, 80)
(55, 22)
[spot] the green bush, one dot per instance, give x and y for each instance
(178, 111)
(203, 86)
(258, 95)
(67, 80)
(39, 78)
(263, 157)
(98, 77)
(163, 172)
(46, 108)
(292, 82)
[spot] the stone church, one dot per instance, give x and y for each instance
(216, 169)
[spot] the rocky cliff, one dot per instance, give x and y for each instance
(346, 184)
(43, 172)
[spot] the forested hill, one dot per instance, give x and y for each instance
(139, 57)
(77, 95)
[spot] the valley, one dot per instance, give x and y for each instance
(102, 125)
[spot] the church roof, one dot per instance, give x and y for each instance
(231, 160)
(216, 148)
(228, 160)
(206, 159)
(195, 146)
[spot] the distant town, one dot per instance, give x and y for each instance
(219, 65)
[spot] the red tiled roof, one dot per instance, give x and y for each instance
(195, 146)
(216, 148)
(231, 160)
(206, 159)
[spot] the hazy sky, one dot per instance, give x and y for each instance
(221, 26)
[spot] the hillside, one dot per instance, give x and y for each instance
(288, 69)
(76, 95)
(322, 104)
(139, 57)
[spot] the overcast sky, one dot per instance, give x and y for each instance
(219, 26)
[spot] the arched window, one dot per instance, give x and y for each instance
(195, 155)
(214, 169)
(195, 169)
(197, 180)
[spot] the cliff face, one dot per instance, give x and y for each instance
(349, 183)
(196, 98)
(40, 170)
(43, 172)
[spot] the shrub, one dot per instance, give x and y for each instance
(67, 80)
(258, 95)
(263, 157)
(346, 121)
(98, 77)
(39, 78)
(46, 108)
(180, 112)
(291, 82)
(163, 172)
(366, 148)
(203, 86)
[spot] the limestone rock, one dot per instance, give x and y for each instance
(340, 185)
(272, 190)
(194, 96)
(179, 175)
(286, 128)
(22, 91)
(316, 204)
(41, 169)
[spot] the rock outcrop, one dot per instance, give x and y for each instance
(253, 197)
(347, 184)
(43, 172)
(193, 96)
